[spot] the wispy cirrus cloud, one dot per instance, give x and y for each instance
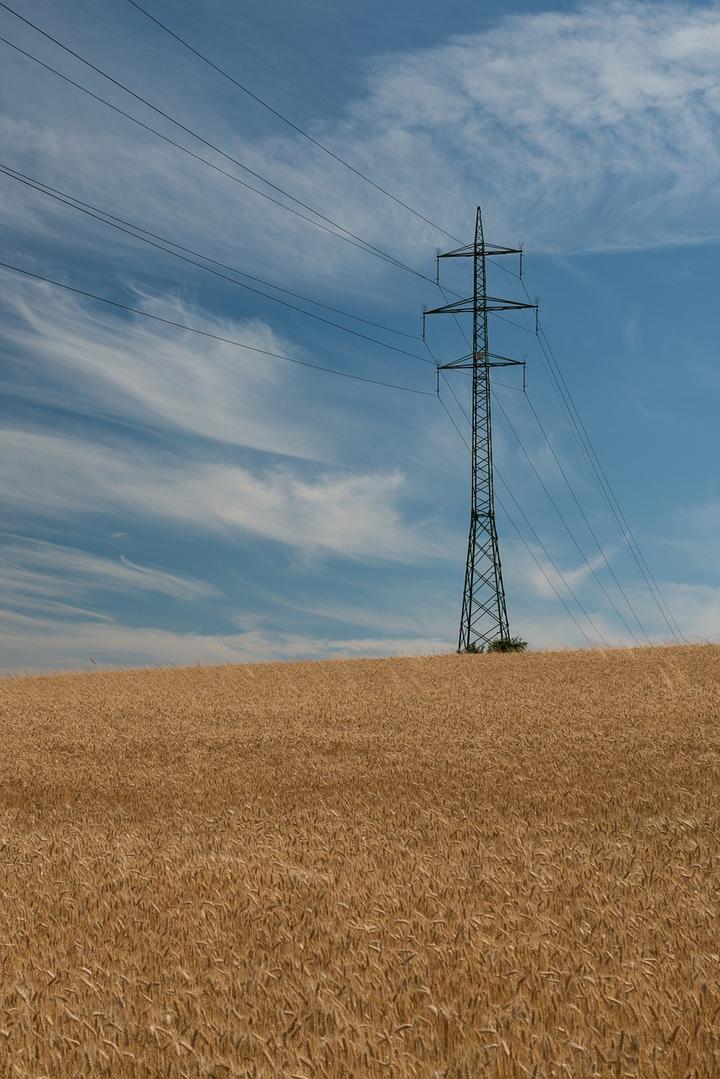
(35, 574)
(594, 127)
(67, 353)
(352, 515)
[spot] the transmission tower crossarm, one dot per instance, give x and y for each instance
(491, 303)
(491, 360)
(468, 250)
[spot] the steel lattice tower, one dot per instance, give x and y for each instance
(484, 612)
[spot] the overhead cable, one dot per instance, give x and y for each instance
(212, 336)
(565, 396)
(571, 534)
(102, 216)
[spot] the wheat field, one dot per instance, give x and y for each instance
(457, 866)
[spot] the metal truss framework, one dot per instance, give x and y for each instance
(484, 612)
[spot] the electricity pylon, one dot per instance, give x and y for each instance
(484, 612)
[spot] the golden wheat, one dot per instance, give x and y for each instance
(459, 866)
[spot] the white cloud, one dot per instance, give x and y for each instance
(34, 643)
(36, 574)
(592, 127)
(354, 515)
(69, 353)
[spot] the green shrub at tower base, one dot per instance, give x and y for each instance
(501, 644)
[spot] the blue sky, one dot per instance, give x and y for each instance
(172, 499)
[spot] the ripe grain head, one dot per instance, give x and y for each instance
(463, 865)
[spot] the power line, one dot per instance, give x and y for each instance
(537, 561)
(517, 325)
(286, 120)
(527, 546)
(533, 531)
(349, 236)
(508, 386)
(615, 507)
(16, 174)
(566, 398)
(569, 531)
(212, 336)
(97, 213)
(583, 514)
(461, 331)
(505, 269)
(450, 416)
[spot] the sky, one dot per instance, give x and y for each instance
(173, 498)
